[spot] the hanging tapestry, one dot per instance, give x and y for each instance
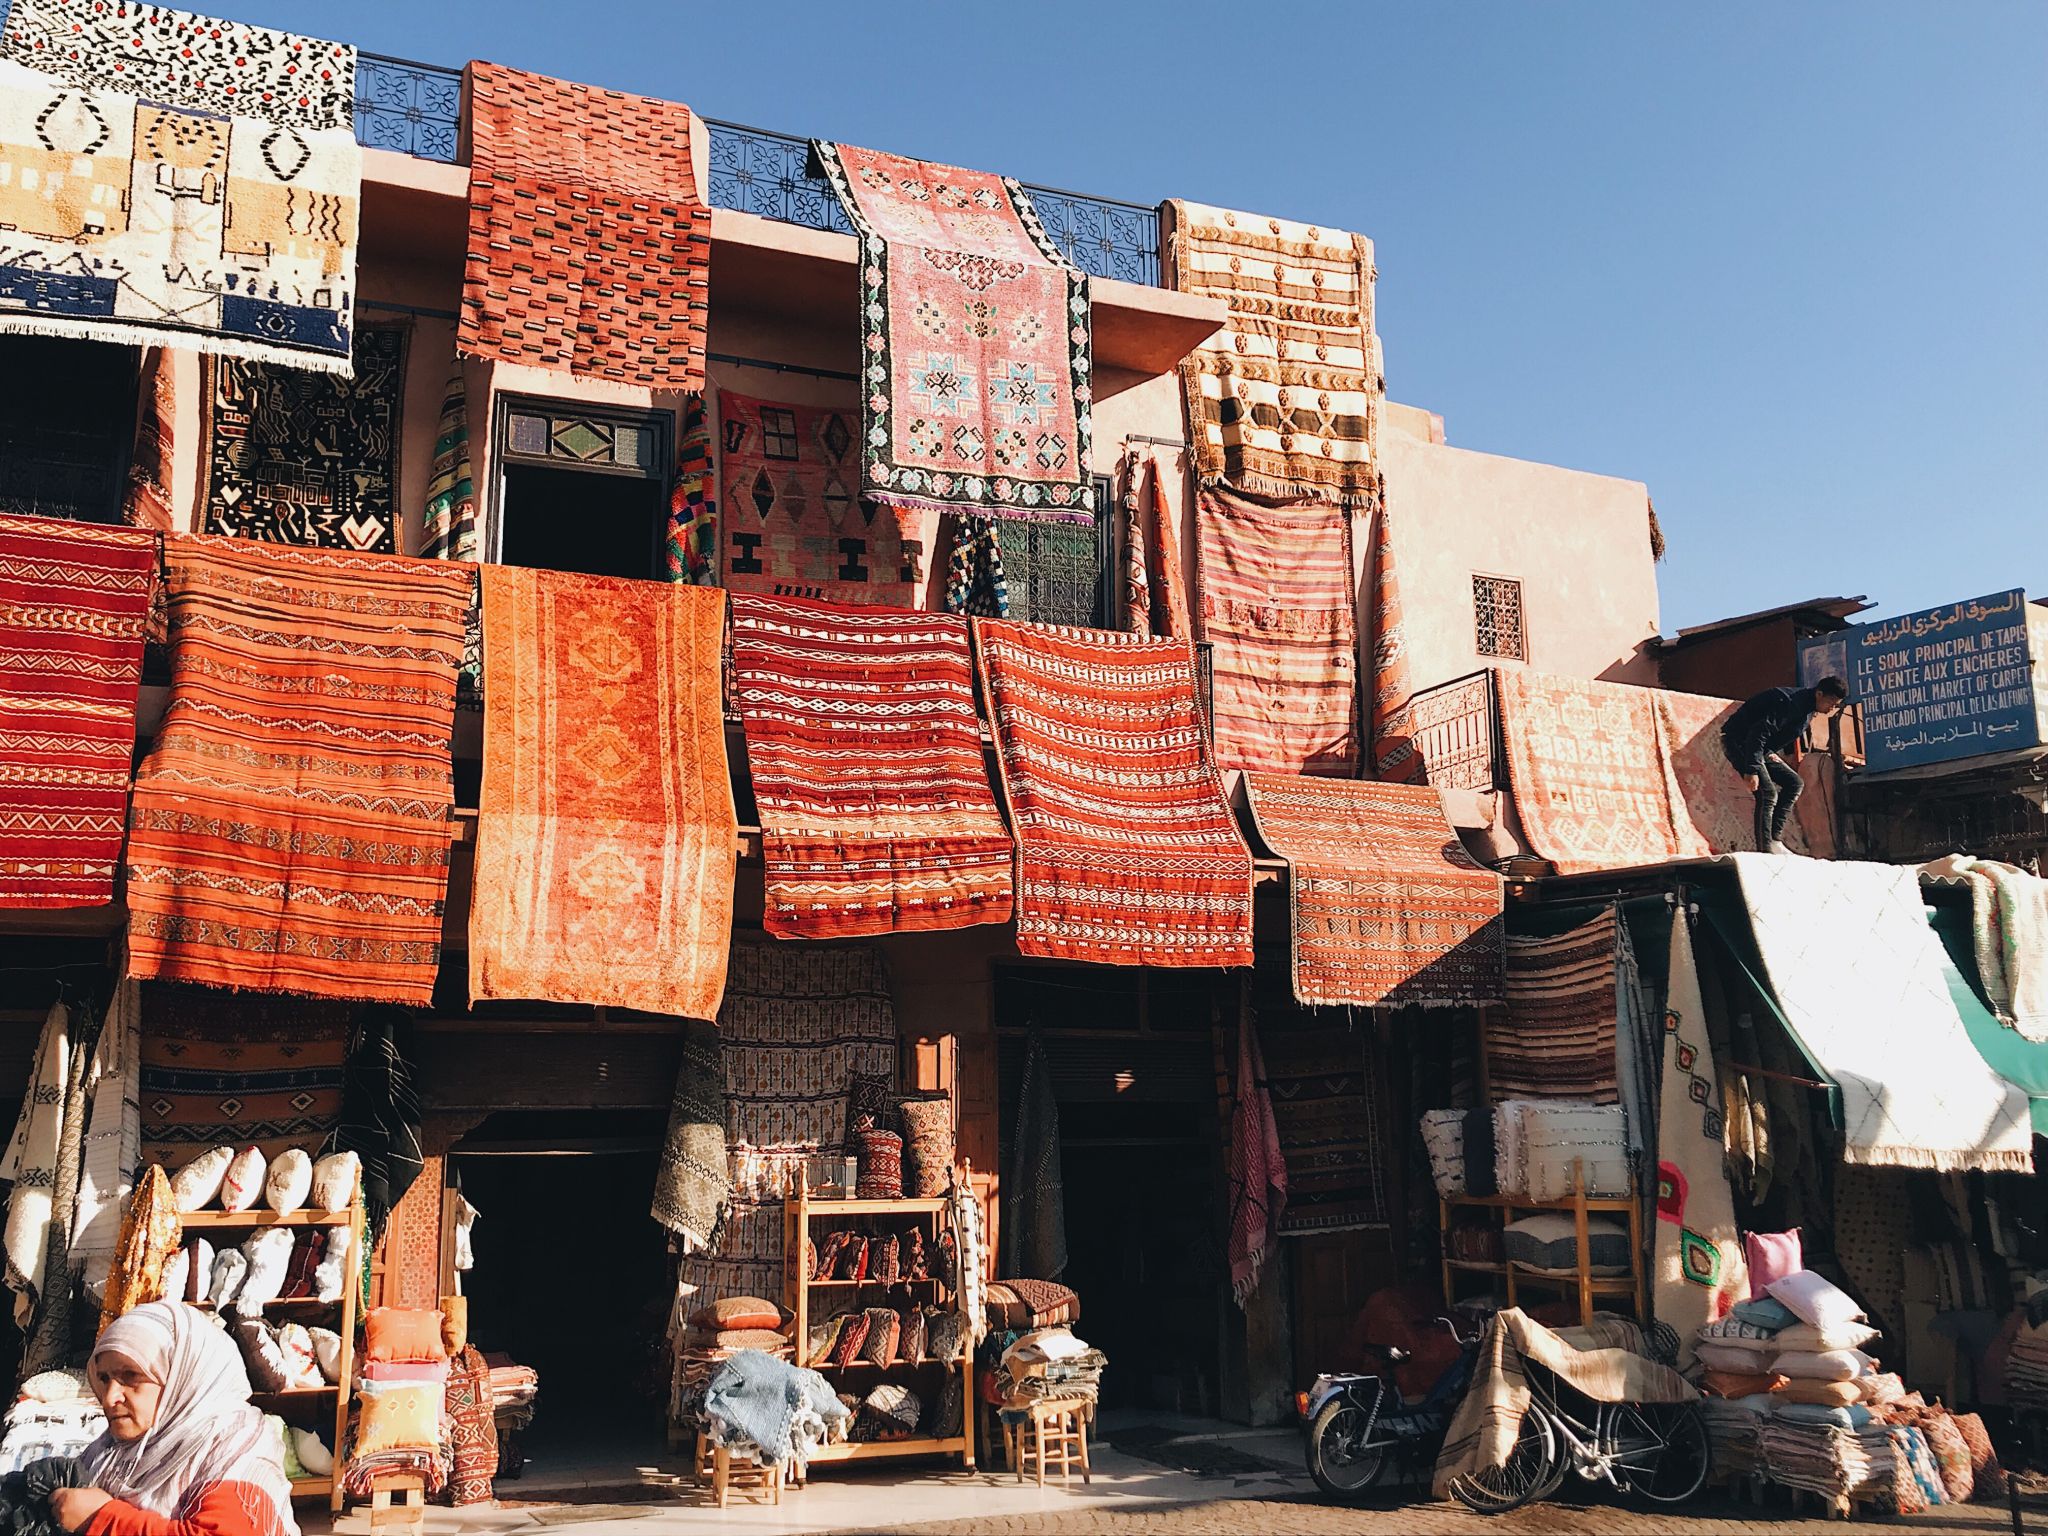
(172, 179)
(589, 249)
(1720, 806)
(1127, 851)
(606, 834)
(978, 338)
(1386, 906)
(1285, 401)
(692, 553)
(238, 1069)
(1699, 1271)
(74, 598)
(1325, 1091)
(975, 584)
(796, 524)
(1555, 1039)
(865, 749)
(1279, 613)
(1255, 1166)
(290, 826)
(691, 1182)
(148, 500)
(1137, 564)
(448, 530)
(1394, 756)
(304, 458)
(1858, 972)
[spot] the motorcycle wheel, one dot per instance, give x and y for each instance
(1533, 1470)
(1340, 1468)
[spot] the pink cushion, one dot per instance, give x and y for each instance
(1770, 1256)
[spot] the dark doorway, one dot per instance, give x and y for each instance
(67, 422)
(572, 520)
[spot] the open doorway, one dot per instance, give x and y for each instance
(581, 487)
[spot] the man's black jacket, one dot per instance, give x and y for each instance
(1770, 722)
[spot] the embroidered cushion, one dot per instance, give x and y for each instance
(1804, 1389)
(911, 1346)
(945, 1335)
(738, 1312)
(196, 1185)
(290, 1181)
(326, 1353)
(868, 1097)
(1443, 1138)
(895, 1403)
(1984, 1467)
(823, 1337)
(454, 1324)
(1815, 1300)
(1833, 1416)
(242, 1185)
(1734, 1327)
(189, 1272)
(230, 1269)
(1834, 1336)
(1550, 1242)
(334, 1181)
(266, 1363)
(329, 1273)
(884, 1328)
(400, 1418)
(301, 1362)
(1557, 1135)
(403, 1333)
(1819, 1365)
(852, 1335)
(1738, 1355)
(881, 1165)
(927, 1121)
(1770, 1256)
(1767, 1312)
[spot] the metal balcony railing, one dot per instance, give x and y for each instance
(1456, 730)
(414, 109)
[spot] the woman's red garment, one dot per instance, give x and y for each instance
(218, 1509)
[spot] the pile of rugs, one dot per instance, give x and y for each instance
(1048, 1363)
(713, 1334)
(54, 1414)
(2026, 1368)
(778, 1412)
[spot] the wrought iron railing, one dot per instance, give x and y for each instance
(755, 171)
(1456, 730)
(415, 109)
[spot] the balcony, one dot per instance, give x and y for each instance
(416, 109)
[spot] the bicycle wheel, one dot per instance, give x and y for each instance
(1662, 1450)
(1338, 1459)
(1527, 1473)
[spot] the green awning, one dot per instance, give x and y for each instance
(2010, 1054)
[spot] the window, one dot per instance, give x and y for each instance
(67, 423)
(1061, 573)
(778, 433)
(581, 489)
(1497, 617)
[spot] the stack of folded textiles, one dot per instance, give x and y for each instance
(2026, 1370)
(1049, 1363)
(54, 1414)
(714, 1334)
(514, 1388)
(401, 1394)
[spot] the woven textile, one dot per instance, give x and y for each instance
(1386, 907)
(177, 180)
(448, 530)
(796, 524)
(865, 750)
(293, 457)
(150, 1230)
(589, 251)
(1720, 807)
(1555, 1040)
(30, 1164)
(1279, 613)
(147, 503)
(1393, 696)
(1857, 969)
(975, 583)
(1127, 853)
(2008, 937)
(1137, 562)
(607, 838)
(1169, 580)
(691, 1182)
(978, 338)
(290, 826)
(1255, 1167)
(1286, 401)
(692, 553)
(473, 1429)
(74, 598)
(1326, 1105)
(238, 1070)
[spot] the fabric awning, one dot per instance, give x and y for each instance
(2020, 1061)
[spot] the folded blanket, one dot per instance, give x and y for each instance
(756, 1398)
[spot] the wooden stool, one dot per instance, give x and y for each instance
(743, 1471)
(700, 1459)
(406, 1512)
(1053, 1432)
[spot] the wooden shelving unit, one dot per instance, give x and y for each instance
(301, 1399)
(807, 1220)
(1580, 1282)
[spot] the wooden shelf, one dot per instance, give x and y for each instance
(824, 1210)
(1614, 1203)
(1578, 1281)
(824, 1368)
(200, 1221)
(1475, 1267)
(312, 1487)
(297, 1394)
(1599, 1285)
(862, 1450)
(862, 1285)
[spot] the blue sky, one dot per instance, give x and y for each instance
(1786, 263)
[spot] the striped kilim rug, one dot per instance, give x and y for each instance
(1387, 907)
(1278, 609)
(1127, 850)
(1555, 1040)
(876, 811)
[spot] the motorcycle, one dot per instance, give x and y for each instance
(1355, 1426)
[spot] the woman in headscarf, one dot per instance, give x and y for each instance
(184, 1452)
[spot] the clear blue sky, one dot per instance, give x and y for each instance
(1788, 264)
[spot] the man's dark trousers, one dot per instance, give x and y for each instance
(1778, 786)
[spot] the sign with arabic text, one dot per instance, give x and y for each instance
(1948, 683)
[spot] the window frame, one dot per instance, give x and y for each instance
(1521, 652)
(659, 423)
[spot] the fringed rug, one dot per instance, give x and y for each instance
(292, 457)
(1128, 853)
(238, 1070)
(977, 334)
(1718, 804)
(1326, 1104)
(1387, 907)
(606, 834)
(178, 180)
(796, 524)
(1555, 1039)
(147, 502)
(691, 1183)
(1286, 400)
(1391, 709)
(589, 251)
(876, 811)
(74, 599)
(1279, 612)
(290, 826)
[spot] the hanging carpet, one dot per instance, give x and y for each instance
(1325, 1093)
(147, 502)
(448, 528)
(1386, 907)
(691, 1183)
(178, 180)
(606, 834)
(29, 1164)
(1721, 807)
(1255, 1167)
(978, 337)
(1555, 1039)
(692, 552)
(1285, 401)
(74, 598)
(1127, 852)
(1279, 613)
(589, 249)
(304, 458)
(865, 750)
(1392, 706)
(290, 826)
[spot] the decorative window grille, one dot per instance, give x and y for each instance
(1497, 618)
(1059, 573)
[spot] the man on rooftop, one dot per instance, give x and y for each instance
(1756, 739)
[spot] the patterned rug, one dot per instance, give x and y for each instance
(74, 598)
(178, 180)
(1387, 907)
(448, 529)
(1721, 807)
(147, 503)
(1128, 853)
(606, 836)
(1279, 611)
(876, 811)
(1392, 722)
(1286, 400)
(239, 1069)
(290, 826)
(978, 339)
(796, 524)
(588, 249)
(1555, 1039)
(692, 553)
(1326, 1103)
(691, 1183)
(305, 458)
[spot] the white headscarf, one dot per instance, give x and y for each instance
(206, 1430)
